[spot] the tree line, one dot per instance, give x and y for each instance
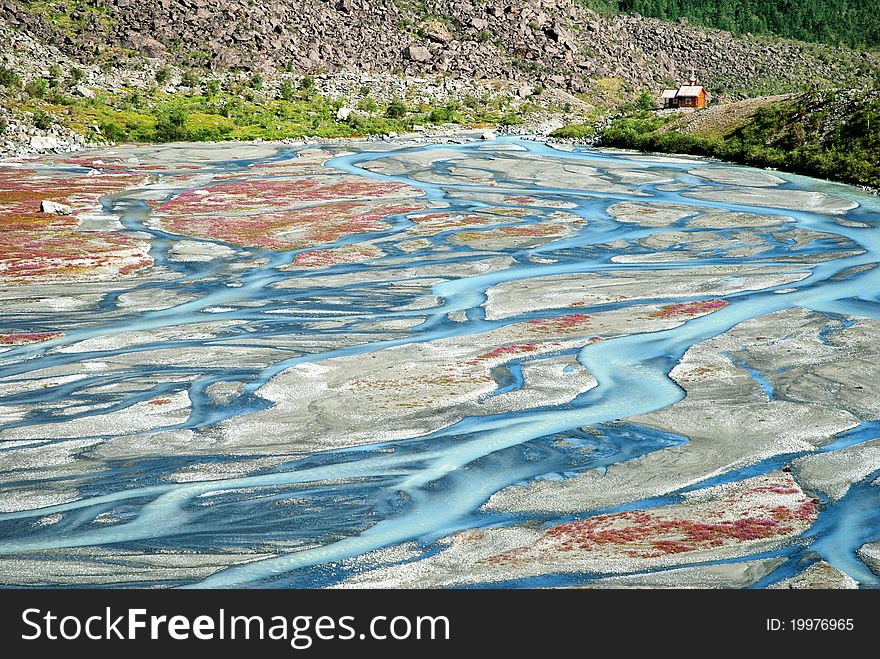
(853, 23)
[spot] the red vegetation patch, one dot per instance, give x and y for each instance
(519, 231)
(291, 229)
(41, 253)
(322, 258)
(28, 337)
(22, 190)
(36, 247)
(508, 351)
(758, 509)
(572, 324)
(689, 309)
(274, 193)
(647, 528)
(429, 224)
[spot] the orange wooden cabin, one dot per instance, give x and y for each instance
(692, 96)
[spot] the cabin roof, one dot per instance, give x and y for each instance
(668, 93)
(690, 90)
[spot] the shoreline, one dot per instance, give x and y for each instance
(31, 152)
(429, 135)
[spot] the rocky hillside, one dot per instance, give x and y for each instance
(78, 71)
(559, 43)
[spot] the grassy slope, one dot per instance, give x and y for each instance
(833, 135)
(204, 114)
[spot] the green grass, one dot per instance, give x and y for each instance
(215, 115)
(604, 8)
(575, 131)
(823, 134)
(69, 16)
(9, 78)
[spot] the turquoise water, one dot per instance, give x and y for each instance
(424, 488)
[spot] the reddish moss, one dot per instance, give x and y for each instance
(689, 309)
(28, 337)
(291, 229)
(743, 514)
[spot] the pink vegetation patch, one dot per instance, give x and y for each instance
(504, 353)
(429, 224)
(22, 190)
(529, 231)
(537, 201)
(575, 323)
(271, 213)
(68, 255)
(273, 193)
(28, 337)
(689, 309)
(38, 247)
(322, 258)
(291, 229)
(509, 212)
(765, 508)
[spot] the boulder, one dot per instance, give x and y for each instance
(44, 143)
(47, 206)
(85, 92)
(417, 53)
(144, 44)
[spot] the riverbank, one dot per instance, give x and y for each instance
(833, 135)
(58, 94)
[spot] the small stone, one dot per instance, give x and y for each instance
(488, 136)
(438, 36)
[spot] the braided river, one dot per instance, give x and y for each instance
(435, 363)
